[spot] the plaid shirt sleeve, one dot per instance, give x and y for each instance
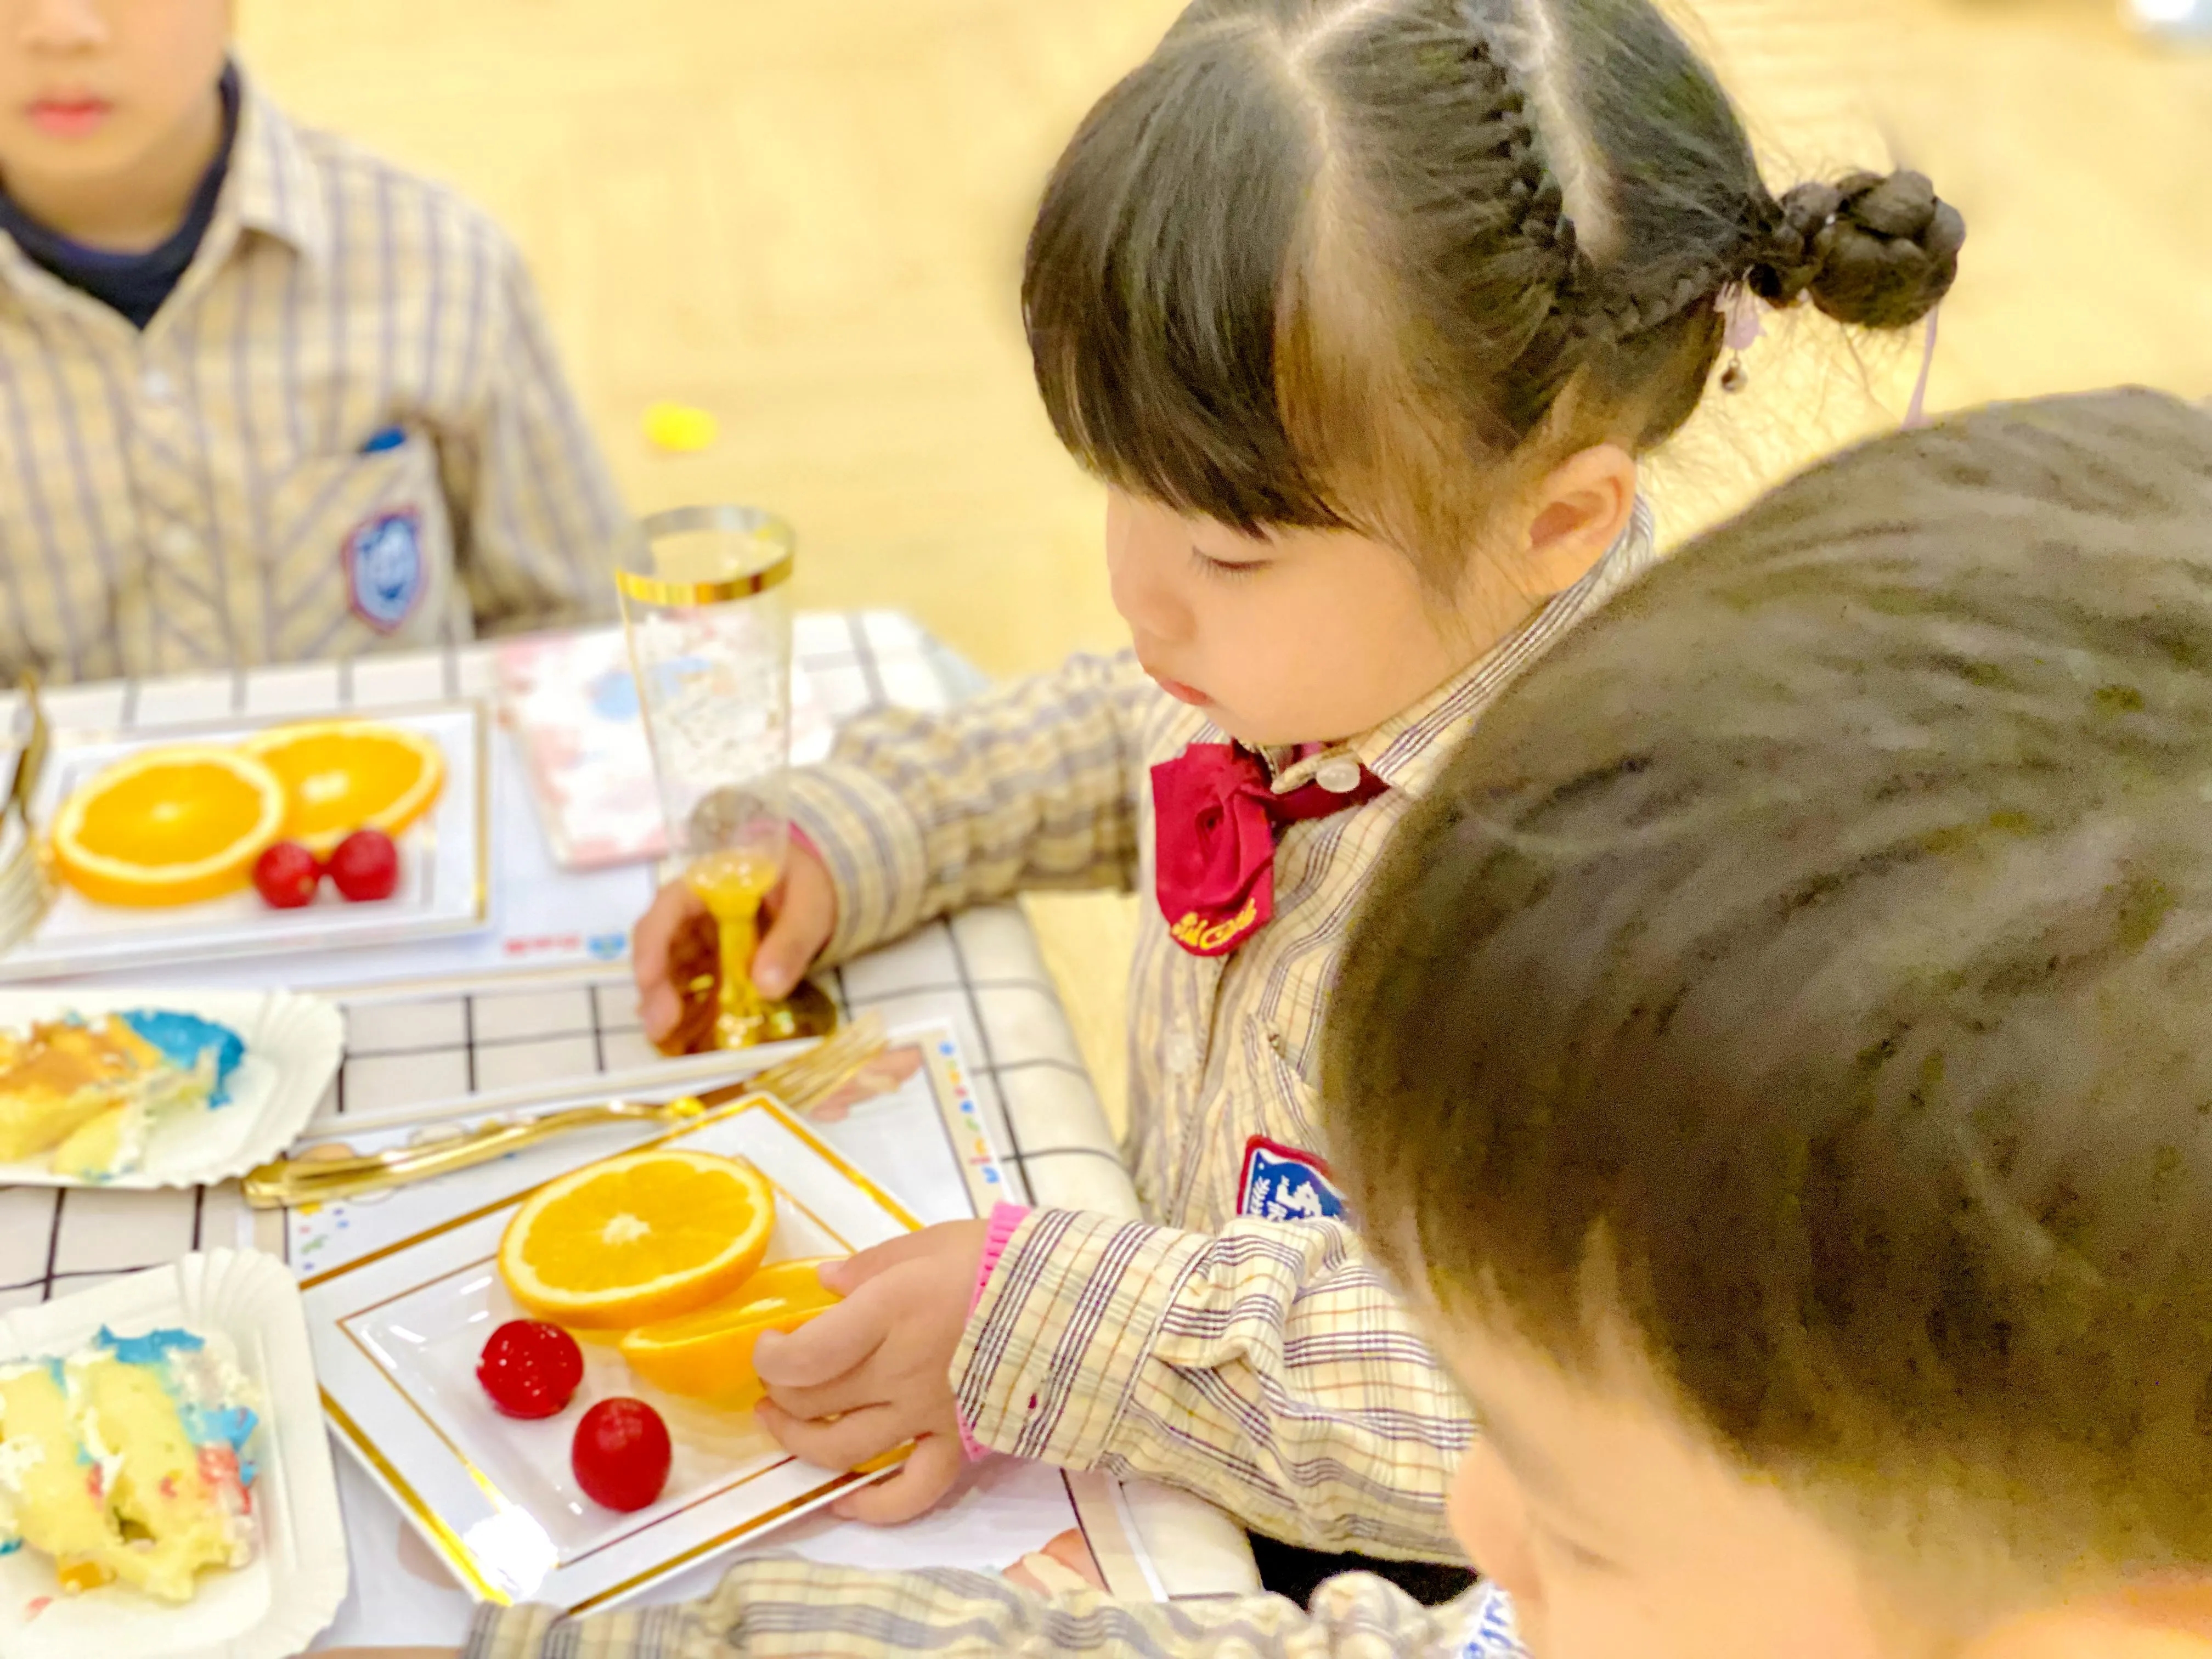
(537, 517)
(1267, 1368)
(1031, 785)
(793, 1607)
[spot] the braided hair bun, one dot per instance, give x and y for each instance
(1879, 252)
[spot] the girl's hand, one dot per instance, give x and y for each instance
(879, 1363)
(801, 913)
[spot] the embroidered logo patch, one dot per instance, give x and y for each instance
(1282, 1184)
(1491, 1633)
(384, 568)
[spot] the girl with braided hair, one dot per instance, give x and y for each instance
(1363, 311)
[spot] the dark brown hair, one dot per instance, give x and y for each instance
(1324, 263)
(1823, 932)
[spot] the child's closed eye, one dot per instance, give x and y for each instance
(1230, 569)
(1580, 1556)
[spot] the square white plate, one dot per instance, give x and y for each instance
(273, 1607)
(444, 870)
(293, 1047)
(397, 1335)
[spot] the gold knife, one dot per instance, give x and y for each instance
(796, 1083)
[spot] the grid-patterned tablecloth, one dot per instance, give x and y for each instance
(539, 1001)
(522, 1005)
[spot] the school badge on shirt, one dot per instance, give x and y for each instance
(384, 567)
(1491, 1633)
(1282, 1184)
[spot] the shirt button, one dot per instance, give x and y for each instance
(1181, 1054)
(157, 386)
(178, 544)
(1340, 775)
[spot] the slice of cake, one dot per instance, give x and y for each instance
(88, 1092)
(128, 1459)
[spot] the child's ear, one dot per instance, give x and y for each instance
(1577, 512)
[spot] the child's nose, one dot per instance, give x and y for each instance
(1145, 594)
(64, 25)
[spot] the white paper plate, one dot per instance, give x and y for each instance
(269, 1609)
(396, 1333)
(443, 869)
(293, 1047)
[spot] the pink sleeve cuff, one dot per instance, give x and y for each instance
(1004, 1219)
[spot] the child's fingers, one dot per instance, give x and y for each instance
(835, 1341)
(847, 1274)
(853, 1438)
(652, 947)
(802, 913)
(919, 1484)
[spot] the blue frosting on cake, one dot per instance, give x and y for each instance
(151, 1349)
(205, 1425)
(183, 1038)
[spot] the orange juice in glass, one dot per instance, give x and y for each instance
(709, 629)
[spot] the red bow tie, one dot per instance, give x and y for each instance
(1216, 820)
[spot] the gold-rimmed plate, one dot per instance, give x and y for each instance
(397, 1335)
(444, 872)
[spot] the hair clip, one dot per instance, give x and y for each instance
(1741, 307)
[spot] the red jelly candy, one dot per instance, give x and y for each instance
(531, 1369)
(287, 875)
(621, 1454)
(365, 867)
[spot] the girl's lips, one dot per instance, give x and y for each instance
(69, 118)
(1181, 693)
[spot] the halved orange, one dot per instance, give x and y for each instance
(344, 775)
(709, 1355)
(169, 826)
(641, 1237)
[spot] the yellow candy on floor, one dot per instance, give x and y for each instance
(679, 427)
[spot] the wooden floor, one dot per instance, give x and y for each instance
(808, 219)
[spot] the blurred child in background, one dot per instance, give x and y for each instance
(262, 397)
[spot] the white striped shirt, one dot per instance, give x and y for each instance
(345, 429)
(1223, 1345)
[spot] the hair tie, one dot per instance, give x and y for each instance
(1745, 327)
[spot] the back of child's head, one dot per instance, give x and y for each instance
(1326, 263)
(1822, 937)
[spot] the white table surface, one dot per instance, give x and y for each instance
(541, 996)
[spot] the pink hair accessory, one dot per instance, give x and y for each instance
(1744, 329)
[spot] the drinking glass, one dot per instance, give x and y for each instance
(708, 621)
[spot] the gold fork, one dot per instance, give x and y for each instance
(797, 1083)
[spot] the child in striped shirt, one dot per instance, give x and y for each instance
(1364, 313)
(1773, 1057)
(262, 397)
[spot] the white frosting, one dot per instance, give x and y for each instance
(18, 1457)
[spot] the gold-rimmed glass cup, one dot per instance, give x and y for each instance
(707, 612)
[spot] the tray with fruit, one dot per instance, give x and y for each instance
(246, 839)
(156, 1088)
(166, 1486)
(557, 1388)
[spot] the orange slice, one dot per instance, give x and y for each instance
(638, 1238)
(344, 775)
(709, 1355)
(169, 825)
